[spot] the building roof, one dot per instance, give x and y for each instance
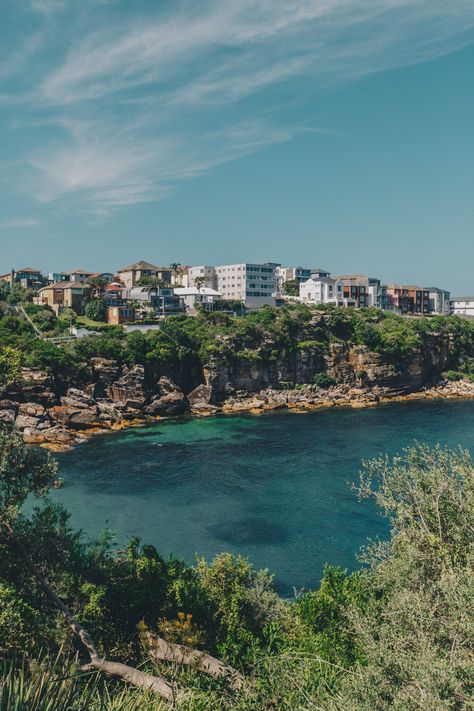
(194, 291)
(65, 285)
(320, 280)
(462, 298)
(77, 271)
(29, 270)
(436, 288)
(138, 266)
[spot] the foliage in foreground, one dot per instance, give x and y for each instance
(397, 634)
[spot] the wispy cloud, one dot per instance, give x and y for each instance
(20, 222)
(136, 108)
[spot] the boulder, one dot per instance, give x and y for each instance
(200, 396)
(24, 422)
(131, 386)
(78, 399)
(77, 418)
(174, 403)
(31, 409)
(8, 411)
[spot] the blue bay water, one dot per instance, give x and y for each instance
(275, 488)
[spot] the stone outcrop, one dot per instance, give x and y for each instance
(168, 401)
(111, 396)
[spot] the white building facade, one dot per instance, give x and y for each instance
(462, 306)
(194, 297)
(206, 275)
(439, 301)
(323, 290)
(253, 284)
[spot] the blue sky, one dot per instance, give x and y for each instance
(333, 133)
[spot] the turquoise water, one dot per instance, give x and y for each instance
(276, 488)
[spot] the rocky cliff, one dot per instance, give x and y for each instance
(115, 395)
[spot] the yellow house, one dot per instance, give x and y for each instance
(63, 295)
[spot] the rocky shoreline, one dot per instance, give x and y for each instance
(119, 399)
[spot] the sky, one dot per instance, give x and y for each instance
(323, 133)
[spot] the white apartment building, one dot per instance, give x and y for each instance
(462, 306)
(253, 284)
(323, 290)
(439, 300)
(205, 273)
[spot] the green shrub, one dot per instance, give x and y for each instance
(323, 380)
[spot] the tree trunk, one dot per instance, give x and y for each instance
(162, 650)
(156, 684)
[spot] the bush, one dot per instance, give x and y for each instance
(96, 310)
(323, 380)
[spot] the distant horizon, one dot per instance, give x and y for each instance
(336, 133)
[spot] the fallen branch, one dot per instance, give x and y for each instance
(162, 650)
(156, 684)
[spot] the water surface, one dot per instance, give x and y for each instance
(276, 488)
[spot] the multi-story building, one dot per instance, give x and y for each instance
(63, 295)
(161, 300)
(194, 297)
(323, 290)
(206, 276)
(284, 274)
(363, 290)
(439, 300)
(462, 306)
(408, 299)
(27, 278)
(131, 274)
(76, 276)
(253, 284)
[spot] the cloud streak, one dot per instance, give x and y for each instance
(157, 99)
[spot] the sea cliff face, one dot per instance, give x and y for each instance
(114, 396)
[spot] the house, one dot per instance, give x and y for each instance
(193, 297)
(112, 294)
(323, 290)
(160, 300)
(117, 315)
(408, 299)
(27, 278)
(205, 275)
(462, 306)
(130, 275)
(284, 274)
(363, 290)
(105, 276)
(63, 295)
(253, 284)
(76, 276)
(439, 300)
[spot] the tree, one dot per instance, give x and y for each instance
(23, 471)
(10, 364)
(199, 282)
(96, 310)
(97, 285)
(147, 280)
(176, 269)
(291, 287)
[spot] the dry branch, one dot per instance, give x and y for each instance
(162, 650)
(156, 684)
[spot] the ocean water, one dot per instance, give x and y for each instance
(276, 488)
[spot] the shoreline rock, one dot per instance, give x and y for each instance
(59, 422)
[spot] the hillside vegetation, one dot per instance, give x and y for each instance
(397, 634)
(185, 345)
